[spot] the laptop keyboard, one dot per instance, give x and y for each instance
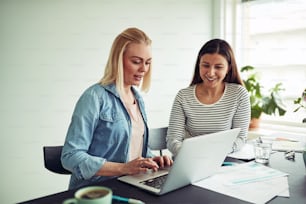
(155, 182)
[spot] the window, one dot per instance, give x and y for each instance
(271, 36)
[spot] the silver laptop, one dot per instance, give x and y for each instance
(198, 158)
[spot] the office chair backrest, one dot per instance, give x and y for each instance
(52, 154)
(52, 159)
(157, 139)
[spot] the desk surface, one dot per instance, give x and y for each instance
(193, 194)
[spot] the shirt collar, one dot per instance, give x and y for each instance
(112, 88)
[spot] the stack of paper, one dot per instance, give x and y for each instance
(250, 181)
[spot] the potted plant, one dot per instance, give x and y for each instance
(270, 104)
(301, 102)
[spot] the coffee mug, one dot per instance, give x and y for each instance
(91, 195)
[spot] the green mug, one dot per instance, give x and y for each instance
(91, 195)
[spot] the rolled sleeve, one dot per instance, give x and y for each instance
(88, 168)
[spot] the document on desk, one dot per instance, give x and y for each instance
(250, 181)
(245, 153)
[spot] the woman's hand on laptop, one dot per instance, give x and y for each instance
(162, 161)
(140, 165)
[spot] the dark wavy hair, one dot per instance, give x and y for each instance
(221, 47)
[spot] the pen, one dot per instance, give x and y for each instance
(228, 164)
(127, 200)
(285, 139)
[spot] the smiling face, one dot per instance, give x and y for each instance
(136, 62)
(213, 69)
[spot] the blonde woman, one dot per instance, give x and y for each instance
(108, 134)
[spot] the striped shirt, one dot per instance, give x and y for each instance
(189, 117)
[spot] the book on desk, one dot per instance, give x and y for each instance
(286, 142)
(288, 145)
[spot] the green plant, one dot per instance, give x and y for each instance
(300, 100)
(271, 104)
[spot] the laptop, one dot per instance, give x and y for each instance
(198, 158)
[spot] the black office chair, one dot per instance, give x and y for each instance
(52, 154)
(157, 139)
(52, 159)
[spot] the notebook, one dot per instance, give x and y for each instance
(198, 158)
(297, 146)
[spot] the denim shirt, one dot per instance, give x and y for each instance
(99, 131)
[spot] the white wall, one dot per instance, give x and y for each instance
(50, 51)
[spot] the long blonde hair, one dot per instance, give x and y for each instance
(113, 72)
